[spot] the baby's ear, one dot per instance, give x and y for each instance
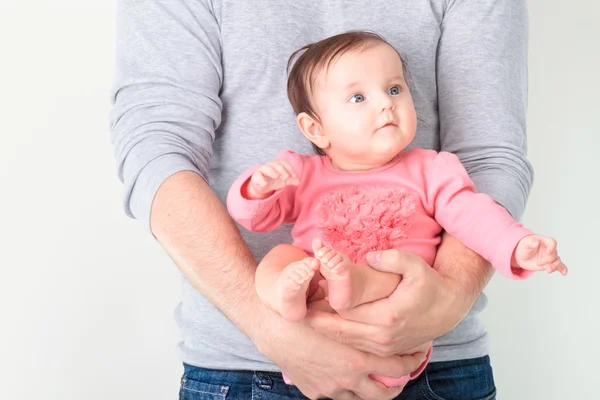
(312, 129)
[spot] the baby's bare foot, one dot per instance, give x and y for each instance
(340, 273)
(291, 288)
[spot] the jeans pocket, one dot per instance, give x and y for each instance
(192, 389)
(459, 380)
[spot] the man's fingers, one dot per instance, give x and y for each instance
(331, 323)
(338, 328)
(346, 395)
(369, 313)
(369, 389)
(360, 327)
(398, 262)
(397, 365)
(363, 337)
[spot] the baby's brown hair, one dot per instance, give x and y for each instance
(313, 58)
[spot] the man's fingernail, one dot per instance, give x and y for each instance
(374, 257)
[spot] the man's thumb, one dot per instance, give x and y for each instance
(395, 261)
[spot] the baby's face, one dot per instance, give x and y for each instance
(365, 108)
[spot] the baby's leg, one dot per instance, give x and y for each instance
(283, 278)
(350, 285)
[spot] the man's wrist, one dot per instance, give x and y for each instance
(266, 329)
(461, 265)
(458, 302)
(465, 273)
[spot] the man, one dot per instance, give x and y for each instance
(200, 96)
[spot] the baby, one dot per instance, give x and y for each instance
(364, 191)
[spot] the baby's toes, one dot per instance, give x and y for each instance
(335, 262)
(311, 263)
(325, 254)
(304, 272)
(317, 243)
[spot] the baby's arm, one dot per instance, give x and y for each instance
(478, 222)
(538, 253)
(263, 197)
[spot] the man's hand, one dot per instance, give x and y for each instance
(424, 306)
(321, 367)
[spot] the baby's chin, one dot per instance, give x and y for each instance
(384, 155)
(393, 146)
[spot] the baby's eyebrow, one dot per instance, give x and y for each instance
(352, 85)
(398, 78)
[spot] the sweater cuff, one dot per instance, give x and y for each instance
(138, 204)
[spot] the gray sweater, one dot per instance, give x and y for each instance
(201, 86)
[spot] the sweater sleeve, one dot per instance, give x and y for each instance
(482, 94)
(267, 214)
(474, 218)
(166, 103)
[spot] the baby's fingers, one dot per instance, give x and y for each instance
(259, 179)
(556, 265)
(530, 246)
(281, 170)
(532, 243)
(550, 245)
(290, 178)
(288, 168)
(562, 269)
(286, 173)
(271, 171)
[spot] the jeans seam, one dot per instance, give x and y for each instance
(183, 387)
(492, 396)
(200, 391)
(428, 392)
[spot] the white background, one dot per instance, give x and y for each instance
(86, 295)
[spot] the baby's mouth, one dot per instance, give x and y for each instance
(389, 123)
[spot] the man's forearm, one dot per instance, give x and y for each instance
(193, 226)
(459, 264)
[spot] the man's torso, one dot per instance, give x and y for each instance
(257, 39)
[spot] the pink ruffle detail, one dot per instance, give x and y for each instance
(357, 220)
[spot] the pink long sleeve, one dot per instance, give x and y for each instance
(266, 214)
(474, 218)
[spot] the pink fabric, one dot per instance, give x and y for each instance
(404, 205)
(357, 219)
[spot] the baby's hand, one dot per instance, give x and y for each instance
(270, 177)
(537, 253)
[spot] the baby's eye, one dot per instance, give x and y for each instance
(357, 98)
(394, 90)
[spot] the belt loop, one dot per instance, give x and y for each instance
(263, 380)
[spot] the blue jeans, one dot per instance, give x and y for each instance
(470, 379)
